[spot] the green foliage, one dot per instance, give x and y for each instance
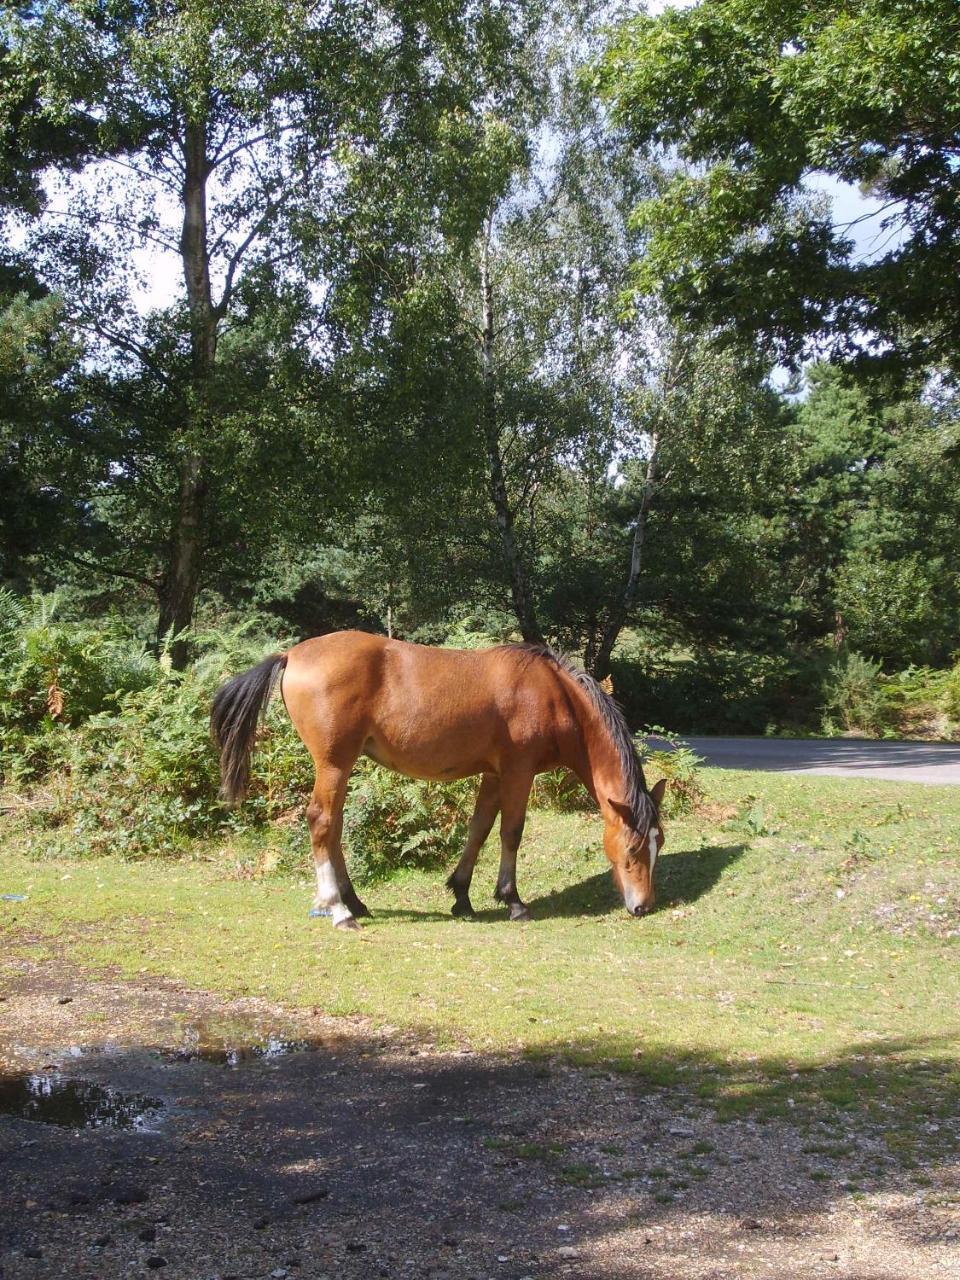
(894, 608)
(392, 822)
(56, 674)
(114, 747)
(711, 690)
(560, 791)
(756, 97)
(680, 766)
(951, 694)
(853, 692)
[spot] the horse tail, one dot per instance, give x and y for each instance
(237, 707)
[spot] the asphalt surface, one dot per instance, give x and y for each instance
(929, 762)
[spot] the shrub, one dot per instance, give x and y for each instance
(681, 768)
(722, 691)
(951, 693)
(560, 791)
(392, 822)
(854, 693)
(58, 674)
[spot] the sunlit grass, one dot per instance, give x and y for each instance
(805, 953)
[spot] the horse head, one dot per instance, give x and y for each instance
(632, 848)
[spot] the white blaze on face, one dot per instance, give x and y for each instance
(653, 837)
(328, 893)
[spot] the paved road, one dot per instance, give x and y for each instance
(932, 762)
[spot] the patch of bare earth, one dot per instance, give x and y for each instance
(284, 1144)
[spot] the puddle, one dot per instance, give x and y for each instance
(76, 1104)
(204, 1045)
(49, 1095)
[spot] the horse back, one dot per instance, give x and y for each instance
(427, 712)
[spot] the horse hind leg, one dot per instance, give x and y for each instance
(484, 815)
(335, 895)
(513, 811)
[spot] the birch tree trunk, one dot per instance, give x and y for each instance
(182, 575)
(600, 666)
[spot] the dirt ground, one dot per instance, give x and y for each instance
(205, 1139)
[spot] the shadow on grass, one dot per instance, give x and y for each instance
(407, 915)
(686, 875)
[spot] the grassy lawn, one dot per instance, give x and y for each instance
(804, 956)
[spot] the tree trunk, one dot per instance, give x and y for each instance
(182, 577)
(520, 592)
(600, 666)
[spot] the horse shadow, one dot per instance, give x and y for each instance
(686, 875)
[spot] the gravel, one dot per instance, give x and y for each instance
(329, 1162)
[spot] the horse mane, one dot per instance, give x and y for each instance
(638, 798)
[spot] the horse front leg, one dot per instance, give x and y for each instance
(335, 895)
(484, 815)
(514, 795)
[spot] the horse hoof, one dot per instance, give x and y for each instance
(347, 922)
(462, 909)
(519, 912)
(360, 908)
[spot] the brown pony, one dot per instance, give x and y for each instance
(506, 713)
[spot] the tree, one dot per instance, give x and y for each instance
(45, 463)
(866, 546)
(230, 134)
(753, 99)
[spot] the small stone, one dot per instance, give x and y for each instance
(503, 1257)
(76, 1198)
(33, 1252)
(750, 1224)
(355, 1246)
(278, 1273)
(831, 1257)
(563, 1227)
(127, 1193)
(65, 1000)
(259, 1223)
(147, 1235)
(102, 1241)
(156, 1261)
(311, 1196)
(680, 1131)
(568, 1251)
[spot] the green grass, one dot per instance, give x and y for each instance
(803, 962)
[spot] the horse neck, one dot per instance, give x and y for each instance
(592, 754)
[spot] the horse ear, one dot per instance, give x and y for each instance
(623, 811)
(657, 793)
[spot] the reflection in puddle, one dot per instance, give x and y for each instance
(76, 1104)
(202, 1046)
(51, 1096)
